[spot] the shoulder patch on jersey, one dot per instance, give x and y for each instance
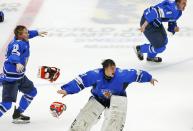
(131, 70)
(120, 70)
(171, 1)
(96, 70)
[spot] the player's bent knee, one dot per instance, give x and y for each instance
(160, 50)
(33, 93)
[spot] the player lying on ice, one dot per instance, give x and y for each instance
(108, 92)
(13, 77)
(151, 25)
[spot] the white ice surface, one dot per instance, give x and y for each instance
(168, 106)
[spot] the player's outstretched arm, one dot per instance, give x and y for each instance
(43, 33)
(140, 76)
(34, 33)
(79, 83)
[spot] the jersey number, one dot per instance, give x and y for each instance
(16, 49)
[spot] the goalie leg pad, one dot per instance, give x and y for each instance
(115, 116)
(88, 116)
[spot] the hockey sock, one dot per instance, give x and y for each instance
(26, 100)
(4, 107)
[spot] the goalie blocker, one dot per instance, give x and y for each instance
(49, 73)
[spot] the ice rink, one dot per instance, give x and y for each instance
(82, 33)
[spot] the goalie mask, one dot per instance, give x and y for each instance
(49, 73)
(56, 108)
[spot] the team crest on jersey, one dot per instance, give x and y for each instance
(107, 93)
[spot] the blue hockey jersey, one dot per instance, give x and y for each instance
(103, 88)
(18, 51)
(166, 11)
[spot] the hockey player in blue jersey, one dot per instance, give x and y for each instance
(153, 29)
(14, 78)
(1, 16)
(108, 92)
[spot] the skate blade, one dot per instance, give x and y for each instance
(18, 121)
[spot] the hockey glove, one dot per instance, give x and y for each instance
(49, 73)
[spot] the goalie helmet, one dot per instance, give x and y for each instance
(56, 108)
(49, 73)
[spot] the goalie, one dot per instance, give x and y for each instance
(109, 84)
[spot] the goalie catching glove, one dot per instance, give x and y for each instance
(49, 73)
(56, 108)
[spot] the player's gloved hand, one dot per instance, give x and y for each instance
(153, 81)
(62, 92)
(49, 73)
(43, 33)
(172, 27)
(176, 29)
(19, 67)
(142, 28)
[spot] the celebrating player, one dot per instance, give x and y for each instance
(14, 78)
(153, 29)
(109, 91)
